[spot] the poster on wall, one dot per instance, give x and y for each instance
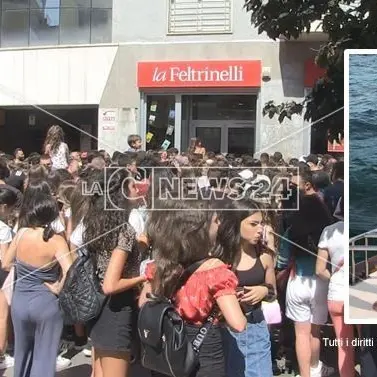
(170, 130)
(151, 120)
(172, 114)
(165, 144)
(149, 137)
(108, 119)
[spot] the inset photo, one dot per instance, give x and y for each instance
(361, 109)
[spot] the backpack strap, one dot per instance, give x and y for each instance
(198, 341)
(189, 271)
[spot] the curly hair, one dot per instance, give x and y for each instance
(108, 210)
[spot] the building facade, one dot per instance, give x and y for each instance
(170, 71)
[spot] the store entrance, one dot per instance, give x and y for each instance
(223, 123)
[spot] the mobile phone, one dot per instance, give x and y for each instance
(264, 235)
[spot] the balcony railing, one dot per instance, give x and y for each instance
(364, 243)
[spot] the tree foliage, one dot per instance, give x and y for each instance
(348, 24)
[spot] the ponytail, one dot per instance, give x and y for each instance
(48, 232)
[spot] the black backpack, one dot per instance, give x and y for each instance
(81, 298)
(165, 347)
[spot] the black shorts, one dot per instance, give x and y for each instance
(112, 330)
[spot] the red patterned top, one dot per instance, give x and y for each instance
(195, 300)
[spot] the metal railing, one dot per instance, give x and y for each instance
(360, 243)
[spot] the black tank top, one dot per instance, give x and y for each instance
(252, 277)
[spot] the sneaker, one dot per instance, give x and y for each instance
(276, 371)
(327, 371)
(62, 363)
(6, 361)
(322, 370)
(87, 351)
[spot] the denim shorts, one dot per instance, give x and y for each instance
(248, 354)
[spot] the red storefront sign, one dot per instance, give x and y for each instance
(199, 74)
(312, 73)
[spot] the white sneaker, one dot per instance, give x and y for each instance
(316, 372)
(87, 352)
(62, 363)
(6, 361)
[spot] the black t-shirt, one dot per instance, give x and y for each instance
(17, 180)
(17, 192)
(332, 195)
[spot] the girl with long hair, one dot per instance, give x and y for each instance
(331, 247)
(184, 232)
(111, 241)
(196, 147)
(42, 260)
(248, 354)
(8, 200)
(65, 193)
(56, 148)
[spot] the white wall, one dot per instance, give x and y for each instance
(135, 21)
(55, 76)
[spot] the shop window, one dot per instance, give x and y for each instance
(221, 107)
(199, 16)
(211, 137)
(160, 122)
(240, 140)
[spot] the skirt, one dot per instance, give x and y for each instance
(112, 329)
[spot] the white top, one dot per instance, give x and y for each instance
(56, 225)
(68, 213)
(332, 239)
(6, 234)
(77, 236)
(59, 158)
(203, 182)
(137, 221)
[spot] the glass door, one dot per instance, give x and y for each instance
(211, 138)
(224, 123)
(241, 140)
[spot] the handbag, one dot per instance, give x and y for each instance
(81, 298)
(165, 347)
(271, 312)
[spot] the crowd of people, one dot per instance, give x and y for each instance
(266, 229)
